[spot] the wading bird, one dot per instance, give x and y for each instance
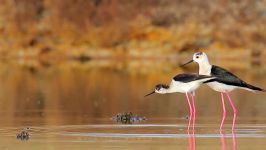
(224, 82)
(184, 83)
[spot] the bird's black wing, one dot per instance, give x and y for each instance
(226, 77)
(189, 77)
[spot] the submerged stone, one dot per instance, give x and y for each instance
(23, 135)
(127, 118)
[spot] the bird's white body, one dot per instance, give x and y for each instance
(181, 87)
(220, 87)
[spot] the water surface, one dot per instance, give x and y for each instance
(70, 105)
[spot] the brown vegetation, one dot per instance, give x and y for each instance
(75, 27)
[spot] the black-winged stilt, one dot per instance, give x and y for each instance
(224, 82)
(184, 83)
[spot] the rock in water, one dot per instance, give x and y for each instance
(23, 135)
(128, 118)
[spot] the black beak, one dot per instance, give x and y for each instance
(187, 63)
(150, 93)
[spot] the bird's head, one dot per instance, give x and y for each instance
(199, 57)
(159, 88)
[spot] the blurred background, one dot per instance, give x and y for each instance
(83, 61)
(113, 28)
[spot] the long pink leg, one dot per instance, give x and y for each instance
(190, 110)
(224, 112)
(234, 110)
(193, 111)
(192, 141)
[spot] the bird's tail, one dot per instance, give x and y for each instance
(254, 88)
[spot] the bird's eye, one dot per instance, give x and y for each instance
(197, 56)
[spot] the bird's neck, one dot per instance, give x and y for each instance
(170, 89)
(205, 68)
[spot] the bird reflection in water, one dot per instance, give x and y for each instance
(223, 140)
(192, 140)
(191, 125)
